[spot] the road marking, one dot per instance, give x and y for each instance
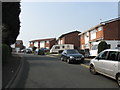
(84, 65)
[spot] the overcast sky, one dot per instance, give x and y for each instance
(41, 20)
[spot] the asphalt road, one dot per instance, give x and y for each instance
(51, 72)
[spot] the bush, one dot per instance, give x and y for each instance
(102, 46)
(6, 52)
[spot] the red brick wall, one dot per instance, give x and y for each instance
(99, 34)
(73, 38)
(82, 40)
(52, 42)
(111, 31)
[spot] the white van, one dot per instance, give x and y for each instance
(61, 47)
(111, 43)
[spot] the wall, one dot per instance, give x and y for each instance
(111, 31)
(73, 38)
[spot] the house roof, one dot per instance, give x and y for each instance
(102, 23)
(91, 29)
(19, 41)
(48, 39)
(109, 21)
(69, 33)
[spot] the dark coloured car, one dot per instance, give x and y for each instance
(28, 51)
(45, 49)
(72, 55)
(39, 52)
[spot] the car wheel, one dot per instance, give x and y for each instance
(118, 79)
(62, 59)
(92, 69)
(68, 61)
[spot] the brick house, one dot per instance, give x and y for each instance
(18, 46)
(108, 31)
(19, 43)
(43, 43)
(70, 38)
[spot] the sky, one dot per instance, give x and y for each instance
(40, 20)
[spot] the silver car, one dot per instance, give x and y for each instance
(107, 63)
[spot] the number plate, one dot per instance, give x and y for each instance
(78, 58)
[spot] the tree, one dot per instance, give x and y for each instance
(10, 22)
(102, 46)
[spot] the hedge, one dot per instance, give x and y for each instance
(6, 52)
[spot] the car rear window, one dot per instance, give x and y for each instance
(113, 55)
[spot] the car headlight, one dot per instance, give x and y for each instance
(82, 56)
(71, 57)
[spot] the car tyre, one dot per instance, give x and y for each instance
(61, 59)
(92, 69)
(68, 61)
(118, 79)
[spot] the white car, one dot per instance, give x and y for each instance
(107, 63)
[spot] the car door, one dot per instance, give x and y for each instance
(99, 62)
(111, 63)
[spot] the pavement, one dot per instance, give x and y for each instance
(11, 71)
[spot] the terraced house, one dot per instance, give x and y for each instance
(70, 38)
(43, 43)
(108, 31)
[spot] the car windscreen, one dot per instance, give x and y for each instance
(94, 47)
(72, 52)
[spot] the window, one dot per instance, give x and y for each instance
(57, 47)
(102, 55)
(68, 46)
(112, 55)
(95, 47)
(64, 52)
(100, 28)
(93, 34)
(47, 41)
(72, 52)
(118, 57)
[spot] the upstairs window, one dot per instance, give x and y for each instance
(47, 41)
(93, 34)
(99, 28)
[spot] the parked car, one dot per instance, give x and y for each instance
(107, 63)
(23, 50)
(28, 51)
(39, 52)
(45, 49)
(72, 55)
